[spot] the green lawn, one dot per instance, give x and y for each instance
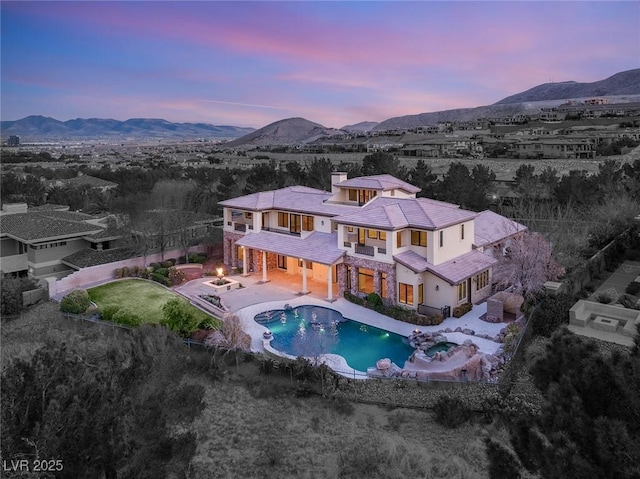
(143, 298)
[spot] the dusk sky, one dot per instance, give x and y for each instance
(334, 63)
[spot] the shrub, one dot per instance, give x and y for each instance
(197, 258)
(154, 266)
(375, 301)
(633, 288)
(127, 318)
(76, 302)
(451, 412)
(125, 271)
(134, 271)
(604, 298)
(163, 271)
(176, 276)
(551, 313)
(109, 311)
(158, 278)
(179, 317)
(628, 301)
(461, 310)
(118, 273)
(167, 264)
(353, 298)
(342, 406)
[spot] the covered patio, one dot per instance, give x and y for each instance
(282, 257)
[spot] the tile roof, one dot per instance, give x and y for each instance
(378, 182)
(317, 247)
(90, 257)
(394, 213)
(90, 181)
(44, 225)
(490, 228)
(453, 271)
(292, 198)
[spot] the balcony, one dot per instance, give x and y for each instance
(364, 249)
(347, 244)
(382, 250)
(240, 227)
(282, 232)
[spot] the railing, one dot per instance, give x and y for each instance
(240, 227)
(364, 249)
(282, 232)
(382, 250)
(431, 310)
(347, 244)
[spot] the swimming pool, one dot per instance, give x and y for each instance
(314, 330)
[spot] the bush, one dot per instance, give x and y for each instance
(154, 266)
(353, 298)
(118, 273)
(461, 310)
(628, 301)
(125, 271)
(176, 276)
(167, 264)
(109, 311)
(604, 298)
(134, 271)
(127, 318)
(163, 271)
(197, 258)
(179, 317)
(551, 313)
(633, 288)
(451, 412)
(375, 301)
(76, 302)
(158, 278)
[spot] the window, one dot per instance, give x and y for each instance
(372, 234)
(294, 223)
(441, 238)
(307, 223)
(365, 280)
(462, 231)
(348, 281)
(283, 219)
(239, 253)
(462, 291)
(383, 285)
(282, 261)
(382, 235)
(309, 264)
(399, 238)
(265, 220)
(421, 293)
(482, 280)
(361, 235)
(350, 229)
(45, 246)
(418, 238)
(248, 215)
(353, 195)
(405, 293)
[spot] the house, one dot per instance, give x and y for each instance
(33, 241)
(368, 235)
(84, 181)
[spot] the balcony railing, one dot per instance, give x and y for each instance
(282, 232)
(240, 227)
(382, 250)
(364, 249)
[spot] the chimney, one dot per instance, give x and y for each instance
(337, 177)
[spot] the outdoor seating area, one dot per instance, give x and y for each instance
(610, 322)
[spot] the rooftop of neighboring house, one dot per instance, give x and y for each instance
(42, 224)
(85, 180)
(90, 257)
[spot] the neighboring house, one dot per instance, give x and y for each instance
(33, 241)
(85, 181)
(551, 148)
(370, 234)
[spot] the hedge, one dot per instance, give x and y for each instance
(76, 302)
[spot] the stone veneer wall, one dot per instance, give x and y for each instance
(377, 267)
(229, 248)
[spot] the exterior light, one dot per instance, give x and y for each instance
(220, 272)
(416, 331)
(437, 287)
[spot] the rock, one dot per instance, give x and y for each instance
(457, 330)
(468, 331)
(448, 330)
(383, 364)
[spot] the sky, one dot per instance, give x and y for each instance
(332, 62)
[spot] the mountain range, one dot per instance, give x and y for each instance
(41, 127)
(621, 87)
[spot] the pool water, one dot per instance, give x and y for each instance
(313, 330)
(440, 348)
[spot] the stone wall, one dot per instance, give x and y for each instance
(377, 267)
(229, 239)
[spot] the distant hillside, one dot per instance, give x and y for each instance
(360, 127)
(623, 83)
(291, 131)
(44, 127)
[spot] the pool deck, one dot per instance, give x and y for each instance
(256, 297)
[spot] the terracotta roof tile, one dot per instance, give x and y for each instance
(317, 247)
(453, 271)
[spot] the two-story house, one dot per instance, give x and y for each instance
(369, 234)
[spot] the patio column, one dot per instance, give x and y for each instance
(245, 262)
(304, 277)
(264, 267)
(330, 283)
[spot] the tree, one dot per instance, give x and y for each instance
(264, 177)
(319, 174)
(103, 410)
(526, 265)
(526, 182)
(456, 185)
(422, 177)
(380, 163)
(483, 181)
